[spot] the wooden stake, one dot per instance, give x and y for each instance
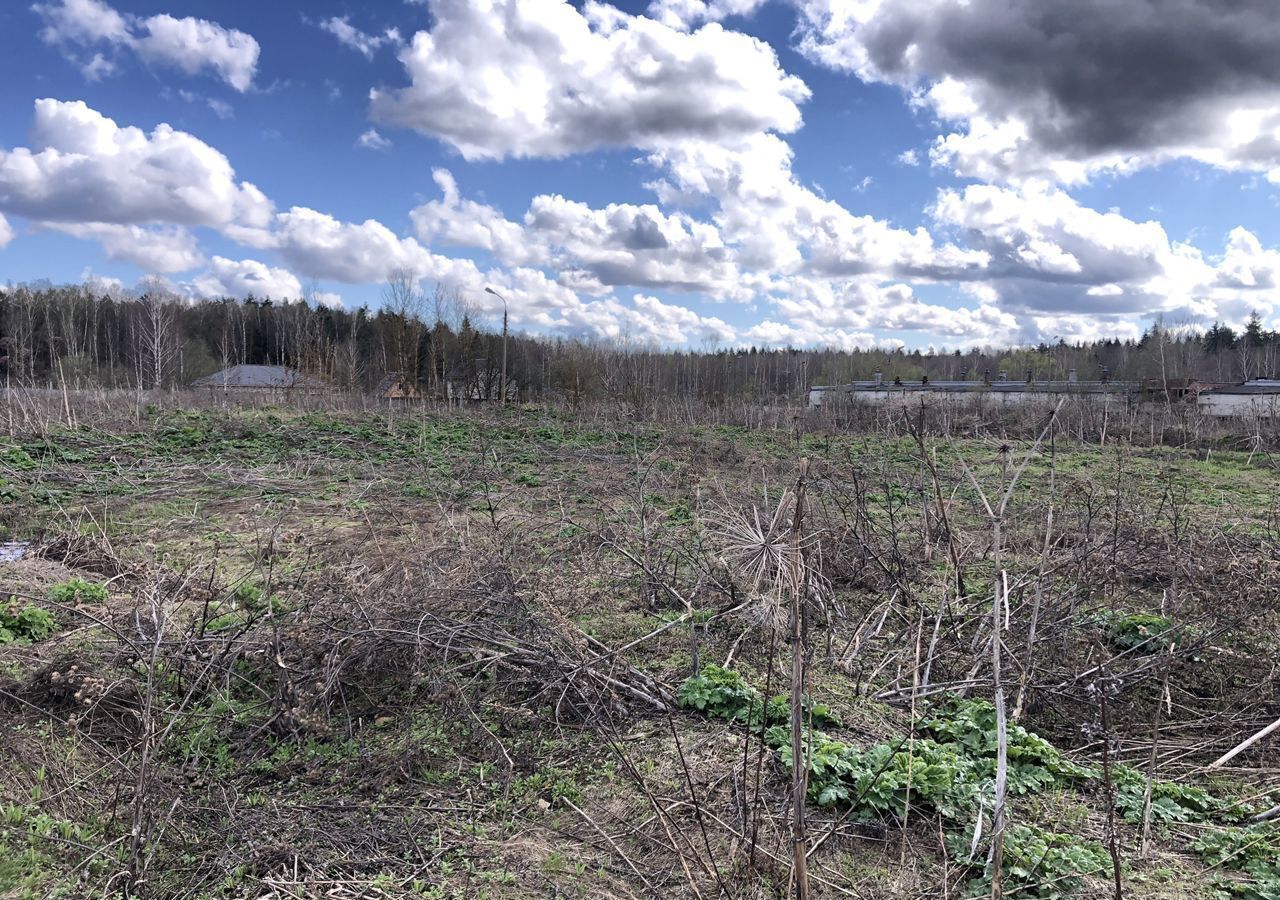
(799, 760)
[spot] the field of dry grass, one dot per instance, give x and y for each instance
(410, 653)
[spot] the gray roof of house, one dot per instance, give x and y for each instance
(1256, 386)
(258, 377)
(1056, 387)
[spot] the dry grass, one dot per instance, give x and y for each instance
(465, 683)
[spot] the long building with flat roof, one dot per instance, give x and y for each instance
(1260, 396)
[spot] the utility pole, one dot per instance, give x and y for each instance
(503, 388)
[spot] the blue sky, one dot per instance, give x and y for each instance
(681, 172)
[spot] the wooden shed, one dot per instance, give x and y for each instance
(396, 386)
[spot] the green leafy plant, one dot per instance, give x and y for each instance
(1147, 632)
(31, 843)
(1034, 763)
(725, 694)
(880, 780)
(719, 692)
(250, 598)
(1253, 850)
(25, 623)
(1170, 802)
(78, 590)
(14, 457)
(1036, 863)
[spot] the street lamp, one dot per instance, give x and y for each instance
(503, 388)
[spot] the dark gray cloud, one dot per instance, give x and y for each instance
(645, 234)
(1089, 79)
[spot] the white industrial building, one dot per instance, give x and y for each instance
(1259, 397)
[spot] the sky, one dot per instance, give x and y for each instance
(683, 173)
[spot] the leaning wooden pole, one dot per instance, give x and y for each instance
(799, 761)
(1245, 745)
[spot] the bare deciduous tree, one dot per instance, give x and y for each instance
(155, 335)
(404, 302)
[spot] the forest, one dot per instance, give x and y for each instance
(82, 336)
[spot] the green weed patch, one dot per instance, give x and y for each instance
(1147, 632)
(725, 694)
(26, 623)
(1253, 851)
(78, 590)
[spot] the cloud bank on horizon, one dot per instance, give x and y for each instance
(649, 174)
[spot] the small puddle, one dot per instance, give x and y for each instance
(12, 551)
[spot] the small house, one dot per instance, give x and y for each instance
(256, 380)
(396, 386)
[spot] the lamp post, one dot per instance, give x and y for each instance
(503, 388)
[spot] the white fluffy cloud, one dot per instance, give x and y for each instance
(848, 313)
(6, 232)
(778, 224)
(457, 222)
(82, 22)
(155, 250)
(593, 250)
(1053, 258)
(327, 298)
(537, 301)
(498, 78)
(1046, 89)
(319, 246)
(82, 167)
(188, 44)
(671, 324)
(793, 334)
(192, 45)
(1041, 232)
(687, 13)
(361, 41)
(372, 140)
(152, 187)
(626, 244)
(240, 278)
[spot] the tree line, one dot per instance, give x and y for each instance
(88, 336)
